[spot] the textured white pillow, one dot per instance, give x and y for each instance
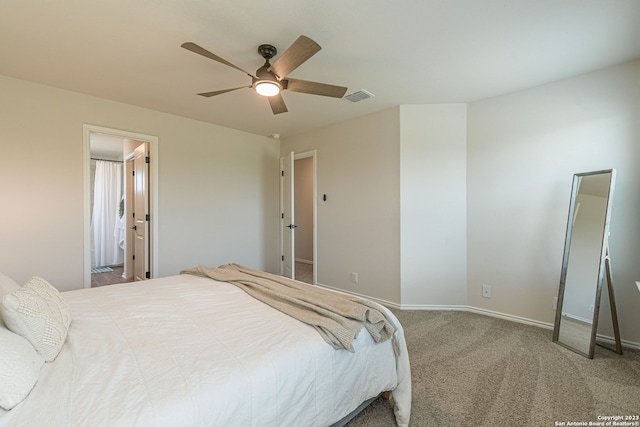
(38, 313)
(6, 287)
(19, 368)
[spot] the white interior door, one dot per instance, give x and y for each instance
(287, 224)
(128, 211)
(141, 217)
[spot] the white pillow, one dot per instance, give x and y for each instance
(19, 368)
(6, 287)
(38, 313)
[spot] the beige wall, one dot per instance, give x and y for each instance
(433, 205)
(396, 204)
(359, 225)
(485, 188)
(523, 150)
(218, 188)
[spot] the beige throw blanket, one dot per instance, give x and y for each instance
(337, 317)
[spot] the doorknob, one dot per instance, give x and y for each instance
(135, 227)
(291, 226)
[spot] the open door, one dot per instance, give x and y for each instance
(129, 167)
(140, 213)
(287, 223)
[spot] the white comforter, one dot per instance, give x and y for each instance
(189, 351)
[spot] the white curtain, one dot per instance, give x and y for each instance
(106, 221)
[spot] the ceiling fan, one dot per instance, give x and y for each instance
(271, 79)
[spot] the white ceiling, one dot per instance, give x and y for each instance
(404, 52)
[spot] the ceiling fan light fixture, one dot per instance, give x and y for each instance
(271, 80)
(267, 87)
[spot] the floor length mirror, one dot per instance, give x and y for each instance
(585, 264)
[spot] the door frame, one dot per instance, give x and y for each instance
(297, 156)
(152, 141)
(287, 214)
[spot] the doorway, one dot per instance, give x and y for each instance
(112, 158)
(298, 228)
(303, 205)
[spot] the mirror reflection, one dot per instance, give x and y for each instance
(584, 261)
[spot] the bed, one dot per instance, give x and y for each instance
(192, 351)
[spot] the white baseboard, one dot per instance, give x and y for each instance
(544, 325)
(612, 342)
(511, 317)
(434, 307)
(378, 300)
(482, 311)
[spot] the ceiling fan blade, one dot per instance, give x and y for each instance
(204, 52)
(218, 92)
(314, 88)
(277, 104)
(301, 50)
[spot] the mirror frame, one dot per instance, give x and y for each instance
(604, 258)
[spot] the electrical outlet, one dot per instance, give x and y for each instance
(354, 277)
(486, 291)
(554, 303)
(590, 308)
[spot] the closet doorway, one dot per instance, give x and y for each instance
(303, 195)
(120, 207)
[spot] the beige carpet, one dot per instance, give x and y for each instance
(474, 370)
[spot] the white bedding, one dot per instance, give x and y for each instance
(189, 351)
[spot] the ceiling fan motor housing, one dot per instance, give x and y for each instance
(267, 51)
(263, 75)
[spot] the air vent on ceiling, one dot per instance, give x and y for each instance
(358, 96)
